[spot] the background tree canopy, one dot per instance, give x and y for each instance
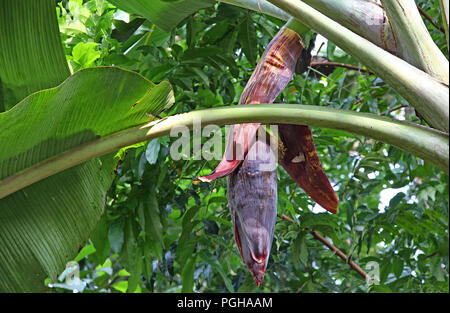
(163, 231)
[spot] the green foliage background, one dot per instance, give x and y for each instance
(163, 232)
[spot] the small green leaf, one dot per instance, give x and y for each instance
(394, 202)
(397, 267)
(149, 212)
(428, 192)
(100, 240)
(128, 254)
(100, 4)
(121, 286)
(85, 54)
(151, 153)
(135, 274)
(201, 75)
(217, 200)
(247, 38)
(185, 250)
(436, 268)
(311, 219)
(331, 47)
(300, 249)
(115, 235)
(87, 250)
(385, 270)
(187, 275)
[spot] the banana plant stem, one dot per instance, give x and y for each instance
(428, 95)
(426, 143)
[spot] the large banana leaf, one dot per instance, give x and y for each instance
(165, 14)
(43, 225)
(31, 54)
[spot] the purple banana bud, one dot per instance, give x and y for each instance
(252, 198)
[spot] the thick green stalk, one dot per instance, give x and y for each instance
(298, 27)
(365, 18)
(413, 39)
(428, 144)
(426, 94)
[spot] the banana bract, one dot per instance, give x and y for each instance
(251, 192)
(273, 72)
(254, 213)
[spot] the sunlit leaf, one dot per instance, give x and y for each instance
(165, 14)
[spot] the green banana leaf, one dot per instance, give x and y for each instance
(31, 54)
(43, 225)
(165, 14)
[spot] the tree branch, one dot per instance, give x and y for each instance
(425, 14)
(333, 248)
(337, 64)
(398, 107)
